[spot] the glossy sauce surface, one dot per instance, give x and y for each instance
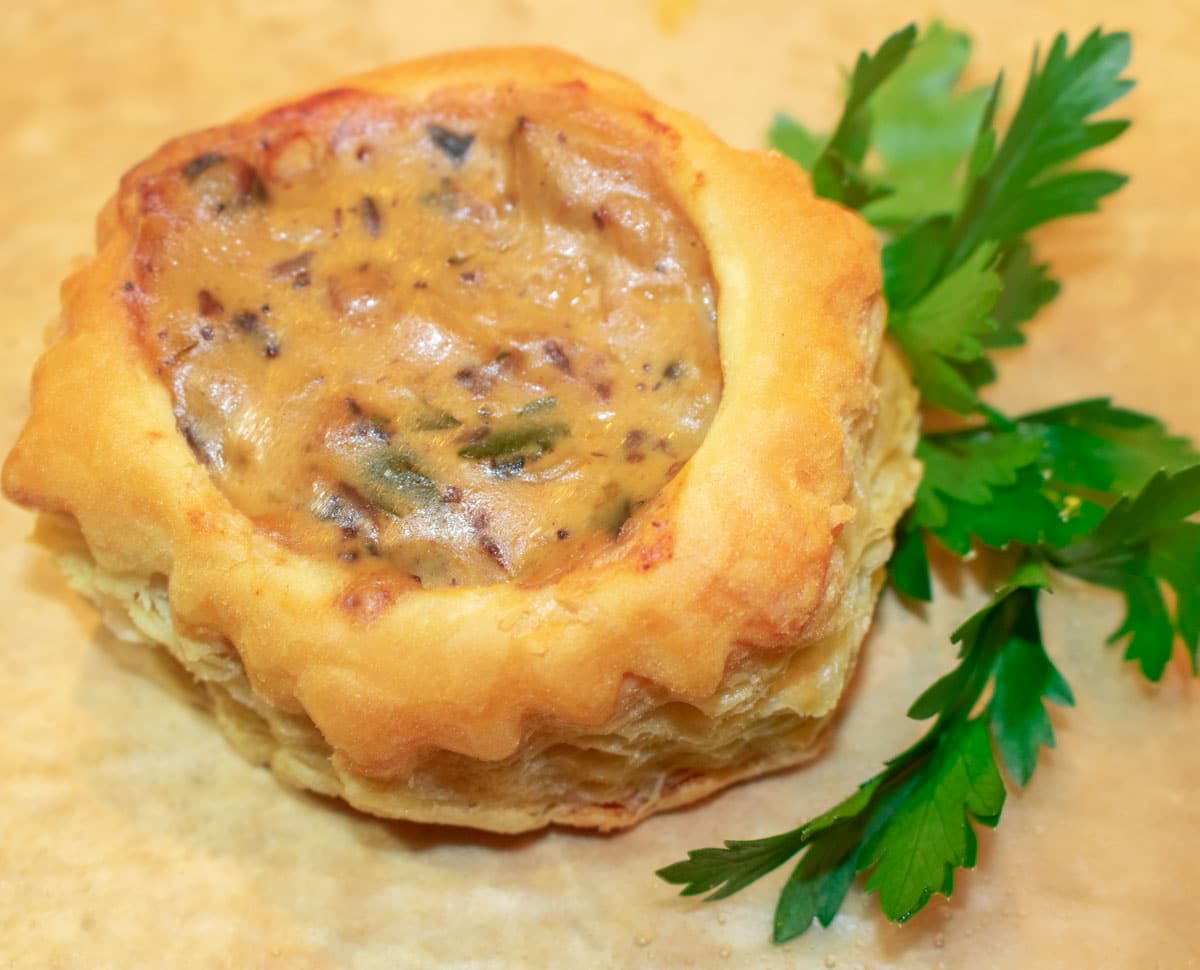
(470, 344)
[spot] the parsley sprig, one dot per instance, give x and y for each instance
(1086, 489)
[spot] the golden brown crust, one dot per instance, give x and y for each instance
(765, 546)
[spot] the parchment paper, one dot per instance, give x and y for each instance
(132, 836)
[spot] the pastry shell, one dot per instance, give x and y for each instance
(709, 642)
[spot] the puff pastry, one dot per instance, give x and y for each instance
(490, 443)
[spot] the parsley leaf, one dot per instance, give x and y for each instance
(1020, 185)
(1025, 678)
(925, 163)
(731, 869)
(1165, 500)
(977, 264)
(908, 569)
(795, 141)
(922, 128)
(1025, 288)
(904, 99)
(911, 825)
(1094, 445)
(1045, 480)
(947, 327)
(1175, 560)
(928, 833)
(1089, 489)
(986, 486)
(1147, 623)
(820, 882)
(970, 467)
(727, 870)
(1143, 539)
(837, 171)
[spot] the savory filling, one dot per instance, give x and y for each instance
(470, 345)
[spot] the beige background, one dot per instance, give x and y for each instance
(130, 835)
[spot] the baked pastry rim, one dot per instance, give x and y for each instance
(737, 557)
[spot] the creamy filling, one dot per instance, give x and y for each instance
(472, 346)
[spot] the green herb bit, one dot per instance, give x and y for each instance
(541, 404)
(453, 144)
(614, 516)
(538, 438)
(397, 485)
(946, 331)
(438, 420)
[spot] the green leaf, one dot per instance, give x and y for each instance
(818, 885)
(922, 128)
(947, 326)
(795, 141)
(1017, 186)
(1166, 500)
(983, 150)
(849, 808)
(1030, 574)
(930, 833)
(836, 172)
(1143, 539)
(1042, 481)
(1175, 559)
(988, 486)
(1094, 445)
(961, 683)
(970, 468)
(1024, 677)
(982, 636)
(909, 565)
(1147, 625)
(1055, 197)
(1025, 287)
(732, 868)
(540, 404)
(437, 420)
(1025, 514)
(911, 261)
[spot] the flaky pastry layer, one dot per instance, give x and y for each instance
(710, 641)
